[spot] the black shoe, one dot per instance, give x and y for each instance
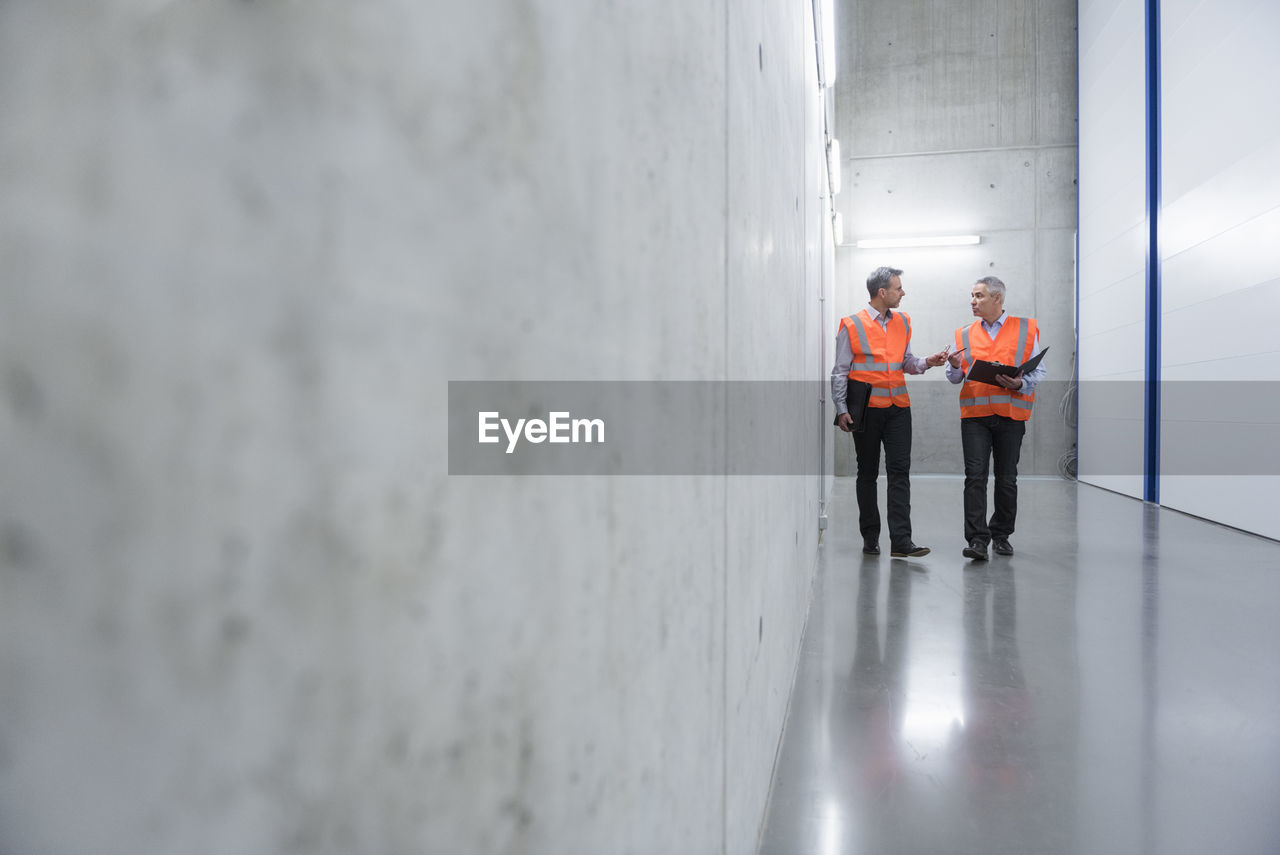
(1000, 546)
(977, 550)
(910, 551)
(870, 547)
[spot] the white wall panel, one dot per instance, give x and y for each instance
(1112, 265)
(1221, 268)
(1218, 71)
(1247, 353)
(1116, 263)
(1119, 306)
(1245, 502)
(1229, 198)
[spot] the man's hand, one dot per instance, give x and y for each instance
(846, 422)
(936, 359)
(1014, 383)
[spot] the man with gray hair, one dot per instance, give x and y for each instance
(873, 347)
(993, 418)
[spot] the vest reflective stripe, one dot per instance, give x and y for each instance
(996, 399)
(888, 385)
(888, 393)
(863, 346)
(1012, 346)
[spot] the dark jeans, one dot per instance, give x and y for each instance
(984, 439)
(890, 427)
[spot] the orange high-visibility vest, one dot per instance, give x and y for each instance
(878, 355)
(1012, 346)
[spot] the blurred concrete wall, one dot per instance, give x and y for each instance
(243, 605)
(960, 118)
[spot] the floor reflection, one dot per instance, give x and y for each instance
(1000, 762)
(867, 724)
(1111, 688)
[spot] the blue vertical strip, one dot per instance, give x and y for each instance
(1151, 460)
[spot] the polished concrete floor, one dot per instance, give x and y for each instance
(1113, 687)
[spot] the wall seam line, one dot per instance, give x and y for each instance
(1151, 456)
(724, 504)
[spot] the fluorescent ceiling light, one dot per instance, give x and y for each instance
(903, 242)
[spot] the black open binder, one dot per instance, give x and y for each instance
(983, 371)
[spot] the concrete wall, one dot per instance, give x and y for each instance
(243, 606)
(960, 118)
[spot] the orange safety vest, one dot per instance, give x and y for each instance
(878, 355)
(1012, 346)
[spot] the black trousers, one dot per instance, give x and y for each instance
(984, 439)
(890, 427)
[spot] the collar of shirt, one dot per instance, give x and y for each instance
(993, 328)
(882, 320)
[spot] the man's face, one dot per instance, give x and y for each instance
(984, 304)
(894, 293)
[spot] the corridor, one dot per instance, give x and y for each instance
(1113, 687)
